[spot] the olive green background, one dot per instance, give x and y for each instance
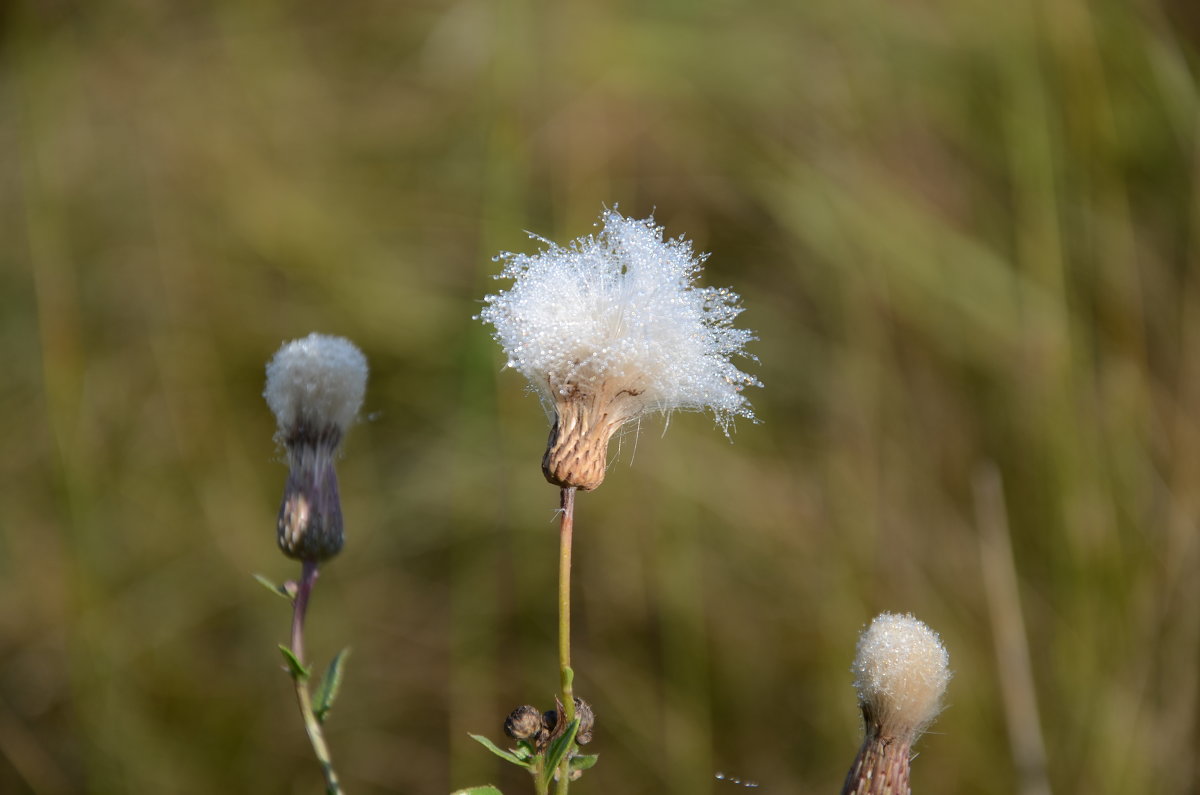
(964, 231)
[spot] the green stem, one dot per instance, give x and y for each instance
(566, 532)
(311, 725)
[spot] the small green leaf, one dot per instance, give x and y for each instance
(507, 756)
(486, 789)
(559, 747)
(295, 667)
(584, 761)
(278, 590)
(330, 683)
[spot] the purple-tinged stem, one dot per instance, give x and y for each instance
(316, 737)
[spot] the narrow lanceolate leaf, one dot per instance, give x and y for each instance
(275, 588)
(295, 667)
(500, 752)
(486, 789)
(559, 747)
(584, 761)
(330, 684)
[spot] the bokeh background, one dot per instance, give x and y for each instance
(965, 232)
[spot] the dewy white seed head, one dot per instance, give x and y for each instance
(317, 382)
(612, 327)
(901, 671)
(315, 386)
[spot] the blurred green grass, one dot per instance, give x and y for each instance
(965, 232)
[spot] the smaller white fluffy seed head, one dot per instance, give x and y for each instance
(316, 385)
(901, 671)
(620, 310)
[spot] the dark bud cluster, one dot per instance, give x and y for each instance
(528, 724)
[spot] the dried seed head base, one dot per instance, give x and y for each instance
(882, 767)
(585, 419)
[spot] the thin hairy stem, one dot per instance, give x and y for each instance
(566, 532)
(311, 725)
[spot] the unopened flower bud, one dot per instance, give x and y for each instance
(901, 672)
(583, 713)
(524, 723)
(550, 721)
(587, 721)
(315, 387)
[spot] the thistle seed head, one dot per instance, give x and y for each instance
(315, 387)
(612, 327)
(901, 671)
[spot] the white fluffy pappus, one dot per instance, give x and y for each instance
(619, 311)
(901, 671)
(316, 383)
